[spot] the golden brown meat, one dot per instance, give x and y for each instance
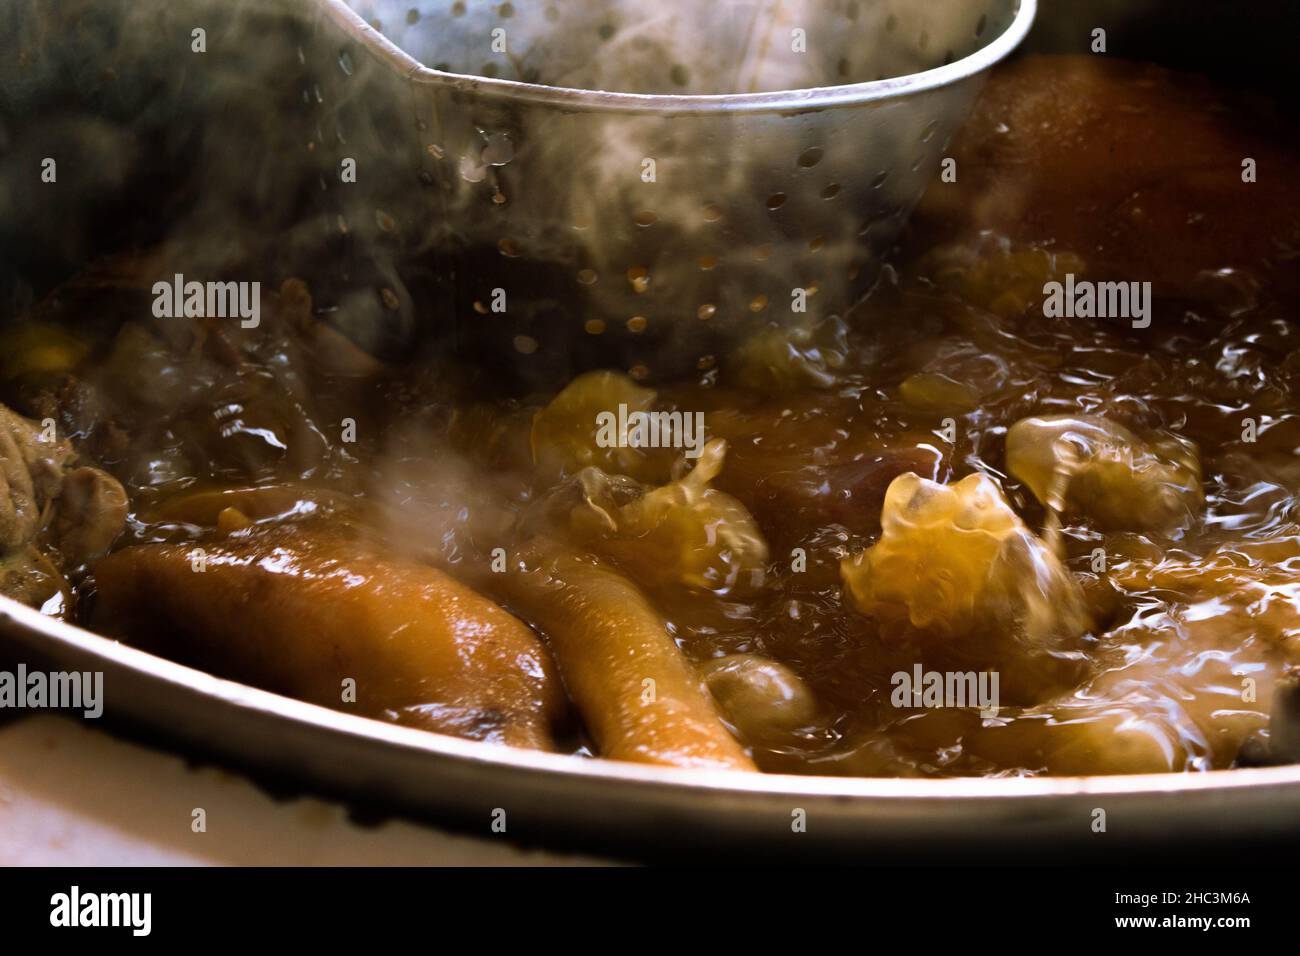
(302, 611)
(636, 692)
(1086, 464)
(1096, 156)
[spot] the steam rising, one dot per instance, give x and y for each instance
(542, 238)
(652, 238)
(215, 157)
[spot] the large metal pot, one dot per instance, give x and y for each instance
(168, 146)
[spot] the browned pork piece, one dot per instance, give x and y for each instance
(306, 612)
(54, 515)
(1102, 156)
(637, 694)
(1101, 469)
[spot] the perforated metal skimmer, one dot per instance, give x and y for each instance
(736, 152)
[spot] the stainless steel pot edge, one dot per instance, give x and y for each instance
(828, 97)
(74, 647)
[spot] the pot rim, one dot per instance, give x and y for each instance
(62, 641)
(574, 99)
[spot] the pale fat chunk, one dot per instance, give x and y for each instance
(955, 561)
(1089, 466)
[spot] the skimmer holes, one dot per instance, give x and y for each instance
(811, 156)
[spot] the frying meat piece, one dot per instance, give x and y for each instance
(1284, 721)
(31, 477)
(1101, 469)
(637, 694)
(1038, 165)
(28, 577)
(1281, 744)
(997, 275)
(765, 700)
(956, 567)
(1068, 736)
(91, 511)
(1245, 588)
(565, 436)
(685, 533)
(778, 359)
(956, 557)
(300, 611)
(48, 504)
